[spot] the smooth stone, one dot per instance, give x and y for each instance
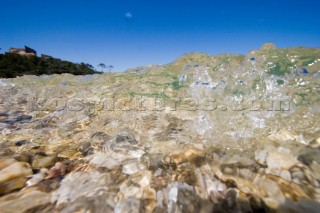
(277, 160)
(126, 137)
(297, 175)
(11, 185)
(240, 160)
(315, 167)
(102, 202)
(58, 170)
(130, 191)
(221, 187)
(302, 205)
(246, 173)
(309, 155)
(21, 142)
(15, 170)
(256, 204)
(316, 143)
(107, 160)
(244, 161)
(154, 160)
(22, 201)
(274, 196)
(261, 156)
(37, 178)
(268, 171)
(24, 118)
(23, 157)
(228, 170)
(284, 150)
(285, 174)
(181, 197)
(230, 201)
(271, 203)
(138, 186)
(261, 171)
(4, 162)
(132, 168)
(190, 155)
(122, 139)
(173, 194)
(160, 198)
(86, 149)
(136, 153)
(274, 171)
(244, 204)
(47, 161)
(130, 205)
(158, 172)
(282, 135)
(80, 184)
(296, 180)
(142, 178)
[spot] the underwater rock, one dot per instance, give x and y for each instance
(22, 201)
(194, 156)
(132, 167)
(261, 156)
(44, 161)
(129, 205)
(81, 184)
(37, 178)
(303, 205)
(86, 149)
(122, 140)
(102, 202)
(274, 196)
(297, 176)
(11, 185)
(315, 167)
(181, 198)
(14, 176)
(309, 155)
(283, 136)
(285, 174)
(247, 174)
(58, 170)
(278, 160)
(4, 162)
(15, 170)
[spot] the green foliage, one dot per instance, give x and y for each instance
(280, 63)
(176, 84)
(280, 68)
(280, 82)
(237, 92)
(285, 60)
(258, 82)
(305, 98)
(13, 65)
(308, 60)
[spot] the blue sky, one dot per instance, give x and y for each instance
(158, 32)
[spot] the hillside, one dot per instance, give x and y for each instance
(13, 65)
(223, 133)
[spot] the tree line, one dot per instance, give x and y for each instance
(13, 65)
